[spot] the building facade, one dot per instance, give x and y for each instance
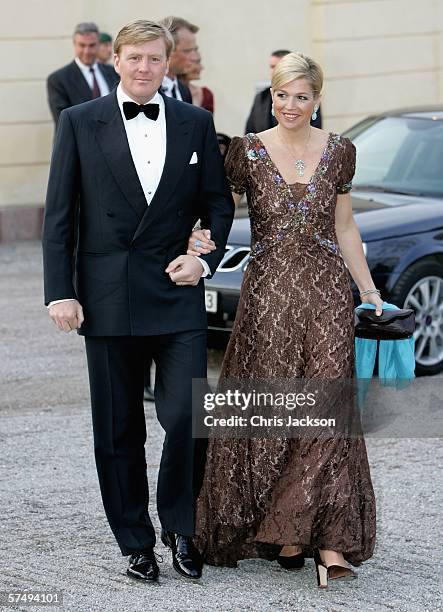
(376, 55)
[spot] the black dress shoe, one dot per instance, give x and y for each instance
(143, 566)
(295, 562)
(186, 559)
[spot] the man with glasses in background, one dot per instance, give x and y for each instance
(182, 58)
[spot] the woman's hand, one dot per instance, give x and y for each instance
(200, 243)
(374, 298)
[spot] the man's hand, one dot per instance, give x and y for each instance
(67, 315)
(185, 270)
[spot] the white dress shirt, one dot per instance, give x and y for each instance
(86, 71)
(168, 85)
(147, 143)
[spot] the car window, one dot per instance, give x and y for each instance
(402, 154)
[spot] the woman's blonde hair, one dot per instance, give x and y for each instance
(295, 66)
(142, 31)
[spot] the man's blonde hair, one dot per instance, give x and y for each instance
(142, 31)
(295, 66)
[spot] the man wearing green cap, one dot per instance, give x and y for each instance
(104, 54)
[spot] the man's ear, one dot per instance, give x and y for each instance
(116, 63)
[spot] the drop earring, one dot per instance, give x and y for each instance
(314, 114)
(272, 110)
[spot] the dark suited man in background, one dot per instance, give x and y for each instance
(82, 79)
(261, 117)
(130, 175)
(184, 54)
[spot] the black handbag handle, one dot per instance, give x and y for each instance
(390, 325)
(385, 318)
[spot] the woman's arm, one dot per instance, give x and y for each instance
(351, 248)
(236, 197)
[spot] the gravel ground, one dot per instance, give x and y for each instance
(54, 535)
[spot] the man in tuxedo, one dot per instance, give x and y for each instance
(130, 175)
(261, 117)
(84, 78)
(185, 50)
(185, 53)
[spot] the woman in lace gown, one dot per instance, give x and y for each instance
(282, 497)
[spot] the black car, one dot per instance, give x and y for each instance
(397, 199)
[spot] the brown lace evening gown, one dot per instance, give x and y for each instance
(294, 319)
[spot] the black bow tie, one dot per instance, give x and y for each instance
(131, 110)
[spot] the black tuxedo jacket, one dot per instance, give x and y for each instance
(185, 92)
(261, 119)
(67, 87)
(99, 229)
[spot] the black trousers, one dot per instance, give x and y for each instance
(117, 366)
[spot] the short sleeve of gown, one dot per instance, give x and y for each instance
(236, 166)
(347, 169)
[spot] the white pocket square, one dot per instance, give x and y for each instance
(194, 159)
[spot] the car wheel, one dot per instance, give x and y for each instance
(421, 288)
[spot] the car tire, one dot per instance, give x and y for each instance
(407, 293)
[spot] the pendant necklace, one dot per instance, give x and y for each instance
(299, 163)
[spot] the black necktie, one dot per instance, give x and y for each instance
(174, 91)
(131, 110)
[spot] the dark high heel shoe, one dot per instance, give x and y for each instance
(332, 572)
(295, 562)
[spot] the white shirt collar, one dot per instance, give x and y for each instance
(83, 67)
(169, 82)
(122, 96)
